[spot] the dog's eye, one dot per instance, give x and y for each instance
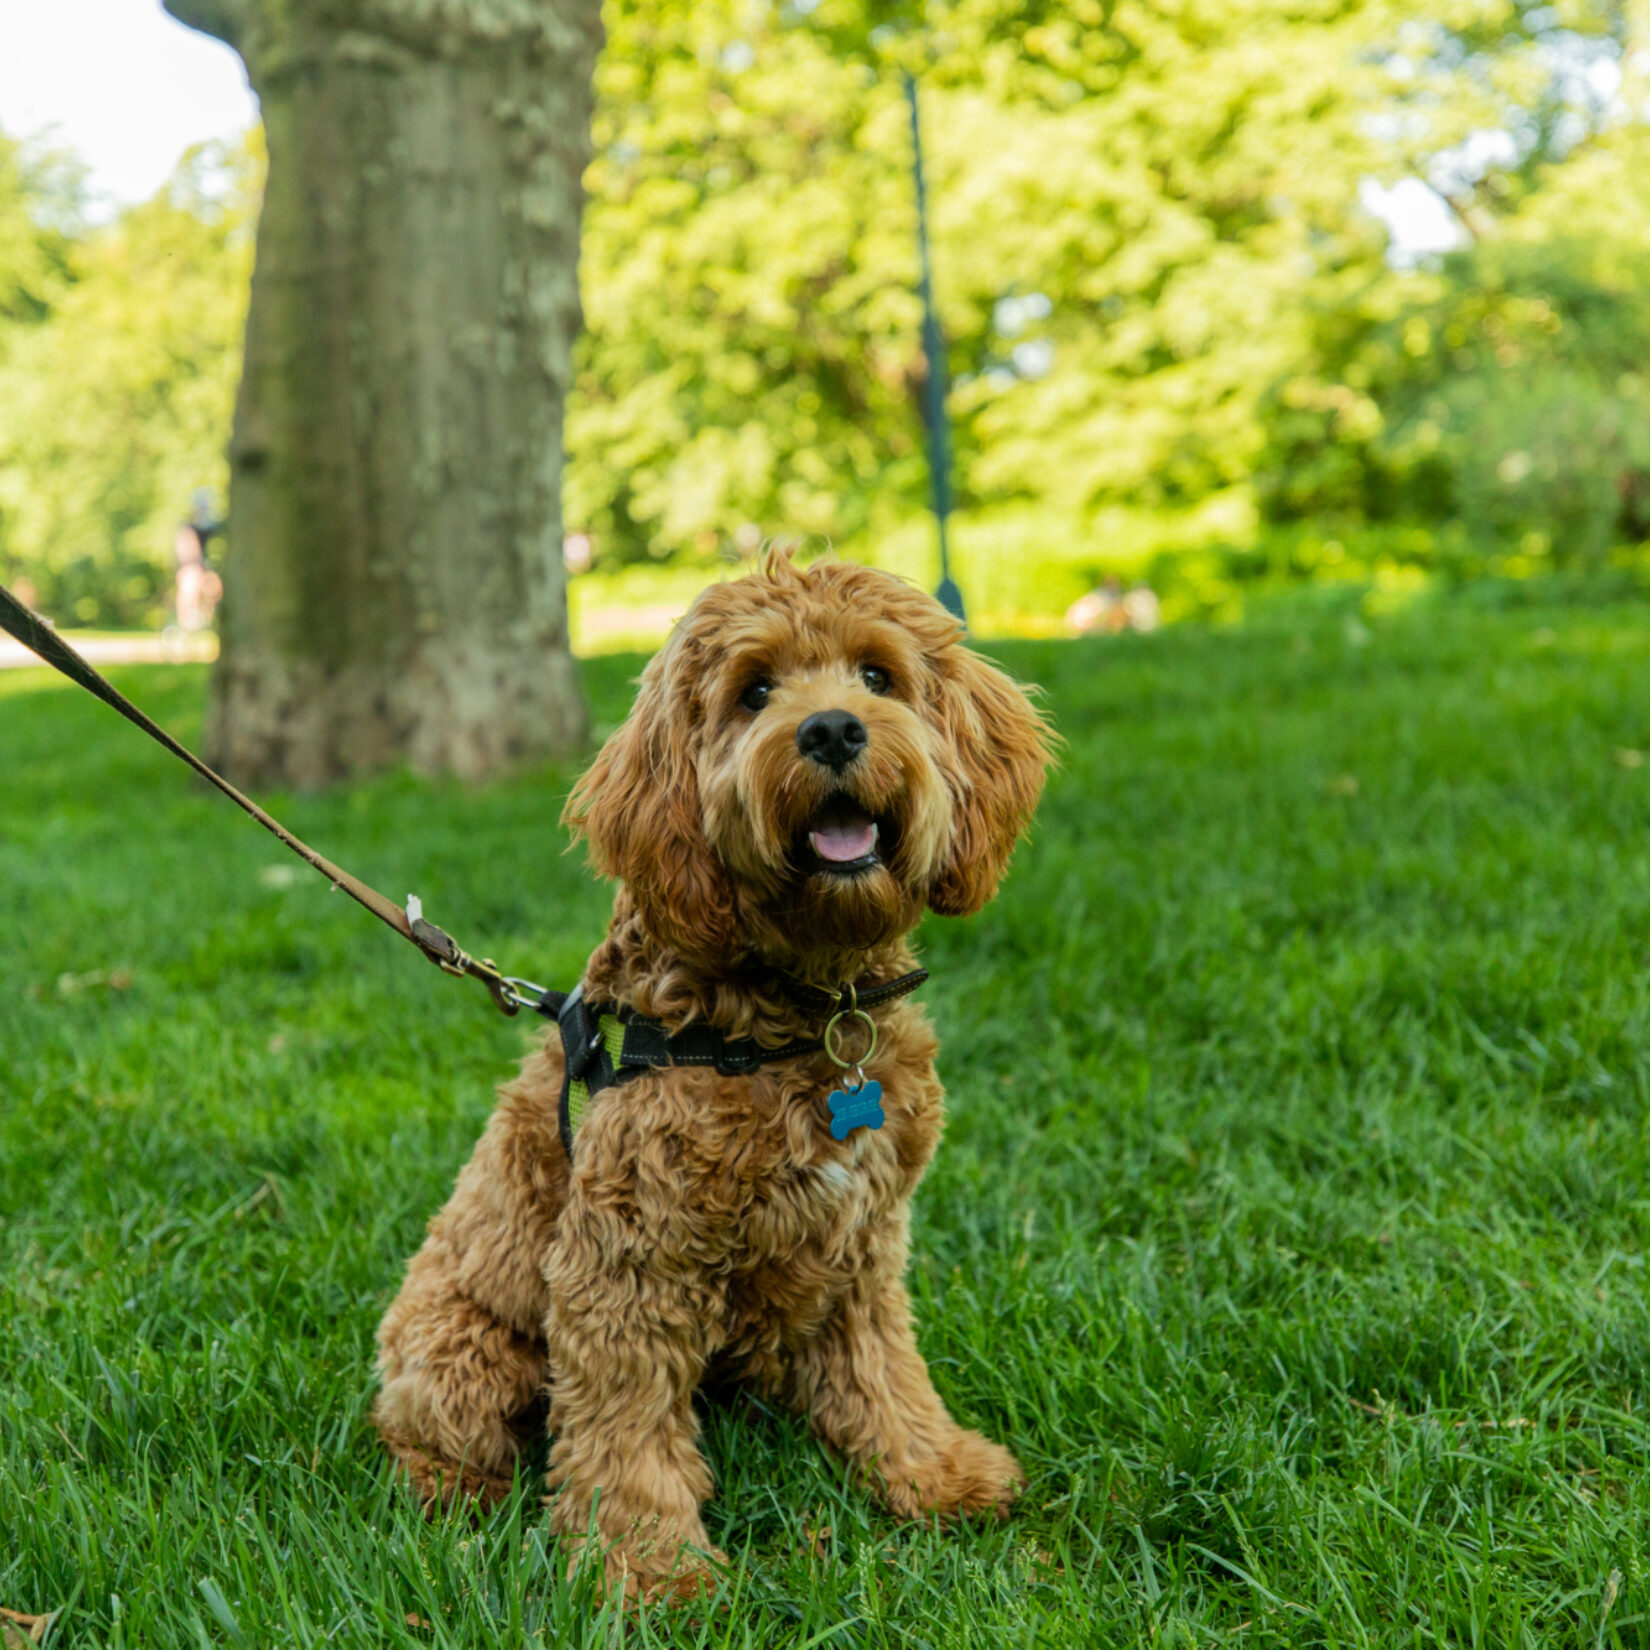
(875, 678)
(756, 695)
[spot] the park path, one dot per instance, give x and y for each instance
(138, 649)
(600, 630)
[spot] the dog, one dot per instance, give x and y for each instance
(813, 759)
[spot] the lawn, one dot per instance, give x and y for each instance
(1290, 1226)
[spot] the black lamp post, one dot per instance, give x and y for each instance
(933, 390)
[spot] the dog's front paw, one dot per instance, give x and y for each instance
(648, 1567)
(971, 1475)
(440, 1485)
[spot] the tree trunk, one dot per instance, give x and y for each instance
(395, 589)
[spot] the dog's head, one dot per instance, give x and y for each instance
(813, 757)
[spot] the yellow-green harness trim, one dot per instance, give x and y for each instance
(578, 1092)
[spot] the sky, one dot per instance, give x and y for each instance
(122, 84)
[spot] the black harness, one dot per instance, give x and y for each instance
(604, 1044)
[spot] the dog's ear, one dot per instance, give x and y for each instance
(638, 806)
(1001, 748)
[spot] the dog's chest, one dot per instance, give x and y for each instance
(777, 1216)
(795, 1206)
(799, 1247)
(813, 1207)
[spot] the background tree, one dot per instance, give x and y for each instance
(39, 211)
(1126, 200)
(395, 587)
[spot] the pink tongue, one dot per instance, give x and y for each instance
(844, 842)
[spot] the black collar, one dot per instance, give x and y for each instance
(815, 999)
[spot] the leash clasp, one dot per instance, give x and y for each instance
(523, 993)
(510, 994)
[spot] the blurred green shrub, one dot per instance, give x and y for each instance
(1508, 388)
(1555, 462)
(117, 381)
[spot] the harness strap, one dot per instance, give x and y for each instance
(604, 1044)
(39, 636)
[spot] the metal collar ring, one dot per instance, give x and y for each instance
(831, 1034)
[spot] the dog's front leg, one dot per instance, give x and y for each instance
(865, 1389)
(628, 1338)
(459, 1352)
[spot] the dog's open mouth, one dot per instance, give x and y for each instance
(843, 838)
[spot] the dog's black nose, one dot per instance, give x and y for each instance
(832, 737)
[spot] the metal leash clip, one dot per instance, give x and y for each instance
(520, 993)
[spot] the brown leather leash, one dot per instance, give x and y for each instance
(511, 995)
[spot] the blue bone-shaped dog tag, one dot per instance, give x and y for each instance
(856, 1108)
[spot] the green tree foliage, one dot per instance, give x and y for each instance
(1127, 201)
(1509, 387)
(39, 211)
(1508, 390)
(1170, 314)
(1153, 258)
(747, 267)
(117, 382)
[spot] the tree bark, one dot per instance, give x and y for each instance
(395, 589)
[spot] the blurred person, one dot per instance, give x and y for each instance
(1111, 610)
(1099, 611)
(1142, 609)
(198, 587)
(577, 552)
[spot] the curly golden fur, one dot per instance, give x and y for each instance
(710, 1223)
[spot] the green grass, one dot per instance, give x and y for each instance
(1291, 1224)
